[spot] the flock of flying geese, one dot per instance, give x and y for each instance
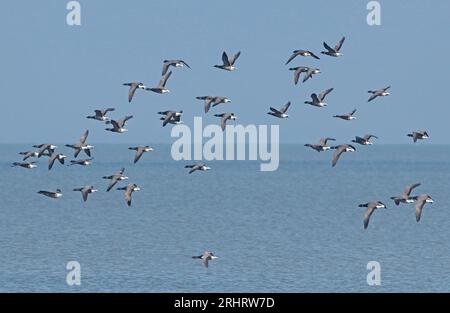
(174, 117)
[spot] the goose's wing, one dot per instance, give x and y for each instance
(368, 214)
(164, 79)
(323, 94)
(225, 60)
(339, 44)
(337, 154)
(131, 91)
(285, 107)
(235, 57)
(409, 188)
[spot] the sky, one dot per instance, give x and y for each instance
(53, 75)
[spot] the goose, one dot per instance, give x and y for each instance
(174, 63)
(378, 93)
(418, 135)
(224, 117)
(364, 140)
(83, 162)
(85, 191)
(45, 147)
(297, 71)
(116, 177)
(347, 116)
(51, 194)
(161, 88)
(140, 150)
(118, 126)
(55, 156)
(318, 100)
(173, 117)
(405, 196)
(371, 207)
(129, 191)
(206, 257)
(303, 53)
(310, 72)
(322, 146)
(133, 86)
(29, 154)
(339, 150)
(333, 52)
(197, 167)
(100, 115)
(213, 100)
(420, 202)
(281, 113)
(28, 165)
(228, 65)
(81, 145)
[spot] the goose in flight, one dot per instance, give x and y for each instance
(133, 86)
(85, 191)
(378, 93)
(46, 149)
(371, 207)
(297, 71)
(418, 135)
(115, 178)
(100, 115)
(318, 100)
(224, 117)
(129, 189)
(174, 63)
(347, 116)
(118, 126)
(405, 196)
(364, 140)
(303, 53)
(29, 154)
(228, 64)
(322, 146)
(83, 162)
(206, 257)
(81, 145)
(140, 150)
(281, 113)
(334, 52)
(420, 202)
(310, 72)
(172, 117)
(55, 156)
(197, 167)
(213, 100)
(161, 88)
(51, 194)
(28, 165)
(339, 150)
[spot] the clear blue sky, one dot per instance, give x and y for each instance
(53, 75)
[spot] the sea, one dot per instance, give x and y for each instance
(296, 229)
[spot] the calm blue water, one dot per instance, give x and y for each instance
(295, 229)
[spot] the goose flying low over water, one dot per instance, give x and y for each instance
(51, 194)
(405, 196)
(347, 116)
(45, 147)
(115, 178)
(228, 65)
(29, 154)
(420, 202)
(339, 150)
(318, 100)
(197, 167)
(161, 88)
(303, 53)
(83, 162)
(172, 117)
(419, 135)
(297, 71)
(85, 191)
(81, 145)
(334, 52)
(281, 113)
(133, 86)
(364, 140)
(100, 115)
(118, 126)
(371, 207)
(174, 63)
(224, 117)
(55, 156)
(28, 165)
(206, 257)
(378, 93)
(140, 150)
(129, 191)
(213, 100)
(322, 146)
